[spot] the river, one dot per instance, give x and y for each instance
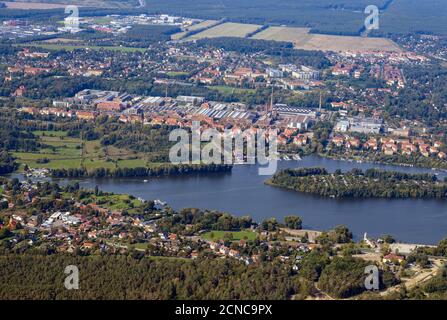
(243, 192)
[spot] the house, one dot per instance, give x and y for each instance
(341, 105)
(401, 132)
(282, 139)
(110, 106)
(433, 150)
(289, 132)
(233, 253)
(19, 92)
(338, 141)
(300, 140)
(343, 69)
(438, 144)
(300, 122)
(214, 246)
(371, 144)
(393, 258)
(85, 115)
(353, 143)
(442, 155)
(88, 245)
(408, 148)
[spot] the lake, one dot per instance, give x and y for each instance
(243, 192)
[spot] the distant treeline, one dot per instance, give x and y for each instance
(162, 170)
(283, 50)
(372, 183)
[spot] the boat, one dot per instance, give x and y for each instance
(145, 181)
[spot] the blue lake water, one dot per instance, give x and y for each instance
(243, 192)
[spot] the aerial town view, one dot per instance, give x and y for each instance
(281, 150)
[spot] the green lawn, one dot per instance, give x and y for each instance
(237, 235)
(65, 152)
(115, 202)
(230, 90)
(176, 73)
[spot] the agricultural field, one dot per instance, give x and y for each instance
(235, 235)
(304, 40)
(32, 5)
(203, 24)
(230, 29)
(288, 34)
(63, 152)
(345, 43)
(56, 4)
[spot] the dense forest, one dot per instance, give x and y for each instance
(284, 51)
(123, 277)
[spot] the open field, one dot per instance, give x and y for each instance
(231, 90)
(33, 6)
(56, 4)
(282, 34)
(229, 29)
(74, 47)
(62, 40)
(70, 153)
(304, 40)
(345, 43)
(237, 235)
(203, 24)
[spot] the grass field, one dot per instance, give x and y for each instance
(176, 73)
(237, 235)
(282, 34)
(74, 47)
(301, 38)
(231, 90)
(62, 40)
(345, 43)
(66, 153)
(32, 5)
(115, 202)
(203, 24)
(229, 29)
(56, 4)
